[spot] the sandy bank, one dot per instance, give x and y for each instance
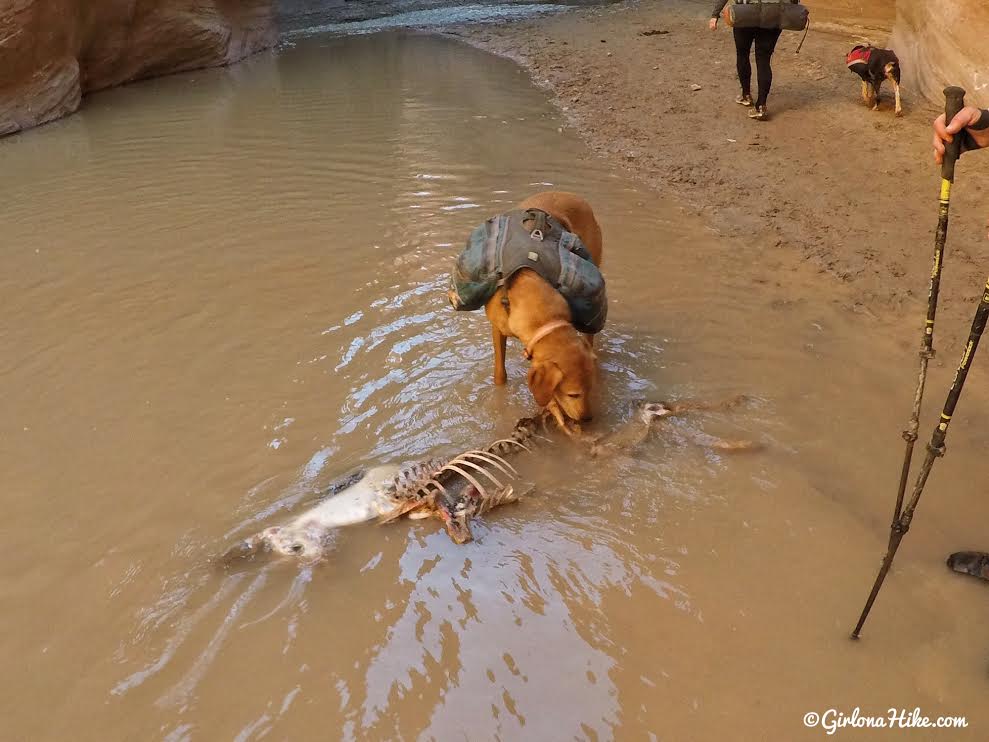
(852, 191)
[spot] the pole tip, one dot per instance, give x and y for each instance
(854, 636)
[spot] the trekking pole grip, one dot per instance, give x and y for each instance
(954, 102)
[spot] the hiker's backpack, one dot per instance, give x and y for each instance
(788, 15)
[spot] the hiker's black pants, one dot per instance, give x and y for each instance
(765, 43)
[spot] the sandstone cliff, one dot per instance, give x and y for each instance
(944, 43)
(53, 51)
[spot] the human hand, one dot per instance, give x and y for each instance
(943, 133)
(712, 24)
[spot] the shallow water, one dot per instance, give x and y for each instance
(224, 289)
(428, 18)
(306, 17)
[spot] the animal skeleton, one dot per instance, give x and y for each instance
(452, 490)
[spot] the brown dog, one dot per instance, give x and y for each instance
(562, 374)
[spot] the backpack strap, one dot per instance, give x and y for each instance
(539, 220)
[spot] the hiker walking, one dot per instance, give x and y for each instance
(765, 44)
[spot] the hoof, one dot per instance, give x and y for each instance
(650, 411)
(243, 550)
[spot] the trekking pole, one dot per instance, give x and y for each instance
(902, 517)
(954, 101)
(935, 449)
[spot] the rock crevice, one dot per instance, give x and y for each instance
(943, 43)
(52, 52)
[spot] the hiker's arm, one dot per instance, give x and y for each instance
(719, 5)
(972, 123)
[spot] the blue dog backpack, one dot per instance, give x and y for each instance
(529, 238)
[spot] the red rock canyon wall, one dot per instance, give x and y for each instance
(944, 42)
(54, 51)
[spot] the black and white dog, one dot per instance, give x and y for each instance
(874, 66)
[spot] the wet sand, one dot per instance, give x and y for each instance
(850, 191)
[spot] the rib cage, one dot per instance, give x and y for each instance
(426, 487)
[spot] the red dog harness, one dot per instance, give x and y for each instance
(859, 55)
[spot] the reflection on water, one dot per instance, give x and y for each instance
(225, 289)
(431, 17)
(306, 17)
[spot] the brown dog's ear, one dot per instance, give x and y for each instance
(543, 380)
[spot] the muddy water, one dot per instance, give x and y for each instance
(224, 289)
(302, 17)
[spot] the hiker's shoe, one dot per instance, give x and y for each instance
(759, 113)
(744, 100)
